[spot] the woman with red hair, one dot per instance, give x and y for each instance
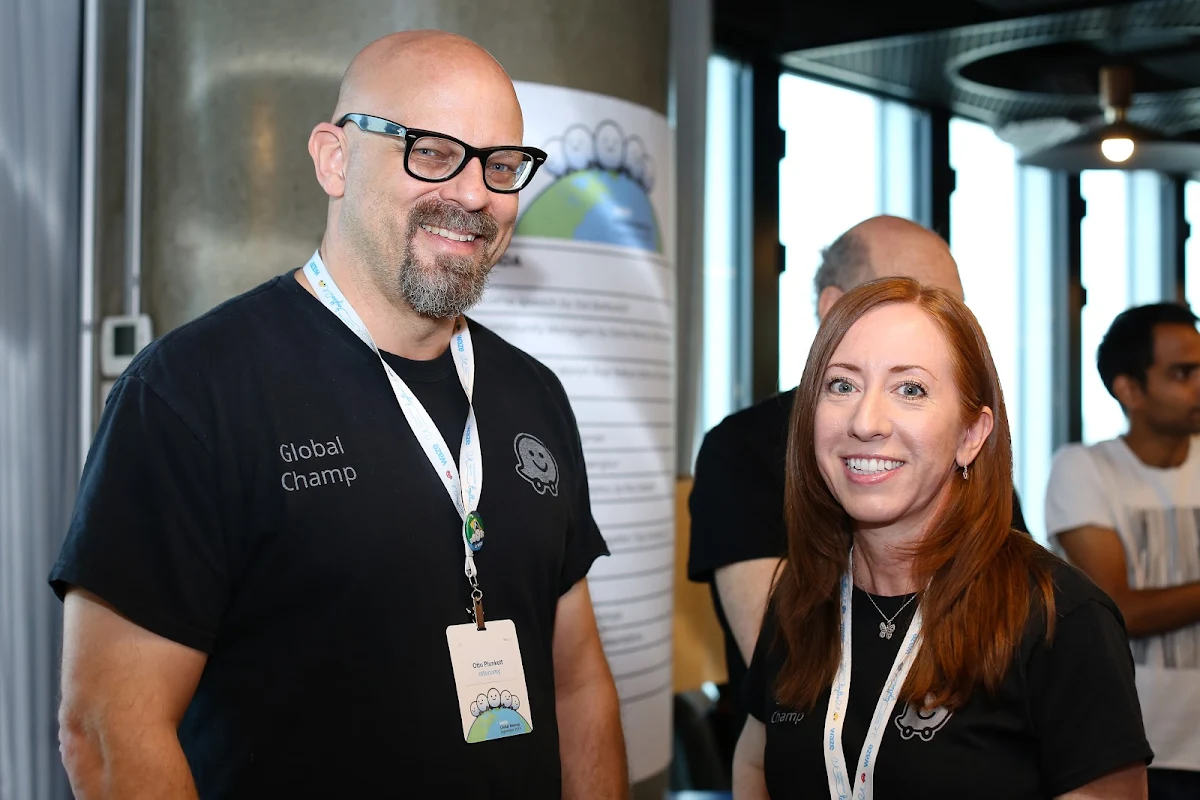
(915, 644)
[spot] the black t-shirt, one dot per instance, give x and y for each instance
(737, 506)
(254, 492)
(1065, 715)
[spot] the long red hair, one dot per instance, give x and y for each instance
(976, 569)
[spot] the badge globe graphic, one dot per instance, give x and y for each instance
(496, 723)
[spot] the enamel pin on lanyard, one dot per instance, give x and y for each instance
(482, 655)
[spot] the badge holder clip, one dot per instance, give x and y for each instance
(477, 600)
(476, 612)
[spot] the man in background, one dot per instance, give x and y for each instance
(1127, 512)
(738, 536)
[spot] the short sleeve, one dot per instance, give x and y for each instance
(736, 503)
(1083, 700)
(146, 533)
(585, 543)
(1075, 494)
(757, 690)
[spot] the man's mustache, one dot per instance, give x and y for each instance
(452, 217)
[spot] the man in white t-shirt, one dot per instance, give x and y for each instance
(1127, 512)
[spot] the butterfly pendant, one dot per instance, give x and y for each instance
(886, 630)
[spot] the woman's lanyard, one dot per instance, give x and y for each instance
(863, 781)
(464, 491)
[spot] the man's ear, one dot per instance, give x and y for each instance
(327, 146)
(1128, 392)
(829, 295)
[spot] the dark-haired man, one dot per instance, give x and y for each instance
(1127, 512)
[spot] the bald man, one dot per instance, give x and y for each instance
(285, 576)
(738, 535)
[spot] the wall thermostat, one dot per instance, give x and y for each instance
(121, 338)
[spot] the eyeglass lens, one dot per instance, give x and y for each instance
(434, 158)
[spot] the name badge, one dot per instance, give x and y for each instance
(489, 680)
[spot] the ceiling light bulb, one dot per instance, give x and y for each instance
(1117, 150)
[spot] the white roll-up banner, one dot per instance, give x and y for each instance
(588, 288)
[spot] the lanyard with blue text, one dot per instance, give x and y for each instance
(463, 481)
(862, 783)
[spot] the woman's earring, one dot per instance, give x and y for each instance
(964, 473)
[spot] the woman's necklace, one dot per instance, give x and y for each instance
(888, 626)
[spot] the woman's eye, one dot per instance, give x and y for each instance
(912, 390)
(840, 386)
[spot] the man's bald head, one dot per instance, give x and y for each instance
(417, 77)
(884, 247)
(424, 244)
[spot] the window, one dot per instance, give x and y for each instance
(1000, 236)
(984, 241)
(725, 367)
(1121, 268)
(849, 156)
(722, 256)
(1191, 208)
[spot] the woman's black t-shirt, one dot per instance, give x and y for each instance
(1066, 714)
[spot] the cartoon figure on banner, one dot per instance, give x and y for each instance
(601, 190)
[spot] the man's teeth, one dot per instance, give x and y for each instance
(871, 466)
(457, 237)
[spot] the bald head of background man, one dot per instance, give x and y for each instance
(884, 247)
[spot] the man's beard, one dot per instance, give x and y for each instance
(447, 285)
(1177, 425)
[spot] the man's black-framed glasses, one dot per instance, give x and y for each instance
(435, 157)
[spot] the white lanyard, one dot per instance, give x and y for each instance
(464, 492)
(841, 784)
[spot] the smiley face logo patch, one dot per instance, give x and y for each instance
(536, 464)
